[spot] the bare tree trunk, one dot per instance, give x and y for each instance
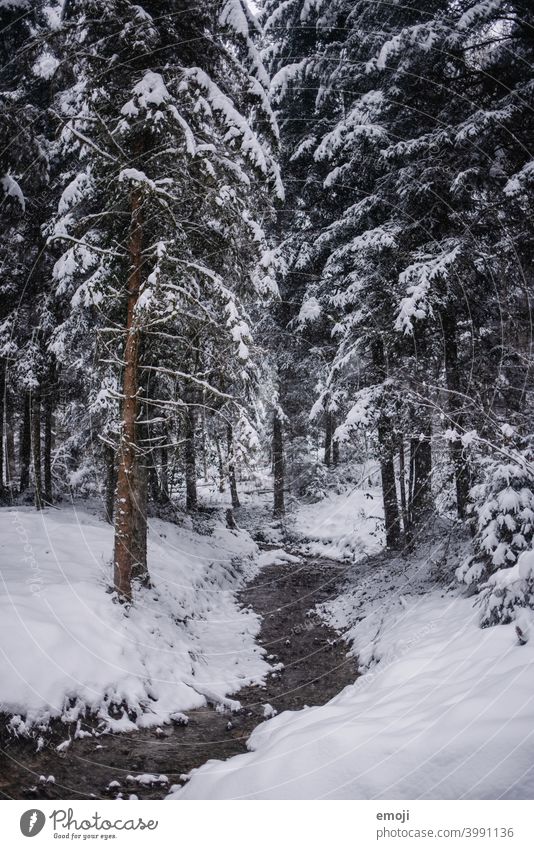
(125, 503)
(452, 374)
(36, 446)
(220, 462)
(164, 459)
(231, 467)
(335, 444)
(11, 465)
(2, 419)
(49, 404)
(328, 438)
(191, 495)
(402, 479)
(278, 464)
(111, 482)
(203, 440)
(421, 449)
(140, 528)
(25, 444)
(389, 488)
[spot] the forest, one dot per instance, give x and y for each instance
(265, 310)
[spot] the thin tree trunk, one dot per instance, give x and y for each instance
(36, 446)
(11, 465)
(49, 401)
(2, 420)
(111, 482)
(220, 462)
(191, 494)
(421, 501)
(203, 440)
(402, 480)
(389, 488)
(140, 528)
(125, 503)
(231, 467)
(452, 374)
(335, 444)
(25, 444)
(328, 439)
(278, 464)
(164, 459)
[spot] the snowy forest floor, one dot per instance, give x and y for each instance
(310, 666)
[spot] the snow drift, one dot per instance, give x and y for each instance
(68, 649)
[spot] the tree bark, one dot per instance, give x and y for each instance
(36, 446)
(328, 438)
(231, 467)
(421, 452)
(191, 494)
(278, 464)
(125, 503)
(402, 480)
(49, 405)
(335, 444)
(389, 488)
(140, 527)
(25, 444)
(111, 482)
(2, 420)
(452, 375)
(220, 463)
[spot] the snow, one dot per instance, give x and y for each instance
(13, 190)
(446, 714)
(46, 66)
(343, 526)
(67, 647)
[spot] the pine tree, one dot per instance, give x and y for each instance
(159, 220)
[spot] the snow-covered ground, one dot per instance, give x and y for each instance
(65, 647)
(343, 526)
(443, 709)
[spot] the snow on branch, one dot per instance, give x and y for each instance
(419, 278)
(13, 190)
(237, 125)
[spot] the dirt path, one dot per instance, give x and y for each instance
(315, 669)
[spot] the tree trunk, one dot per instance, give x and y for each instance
(140, 527)
(36, 446)
(328, 439)
(25, 444)
(231, 467)
(49, 403)
(402, 480)
(220, 463)
(335, 444)
(452, 374)
(2, 419)
(11, 465)
(111, 482)
(278, 464)
(389, 488)
(125, 503)
(421, 451)
(191, 495)
(164, 459)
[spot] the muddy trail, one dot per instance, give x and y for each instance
(315, 668)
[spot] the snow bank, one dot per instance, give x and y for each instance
(66, 647)
(447, 713)
(342, 526)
